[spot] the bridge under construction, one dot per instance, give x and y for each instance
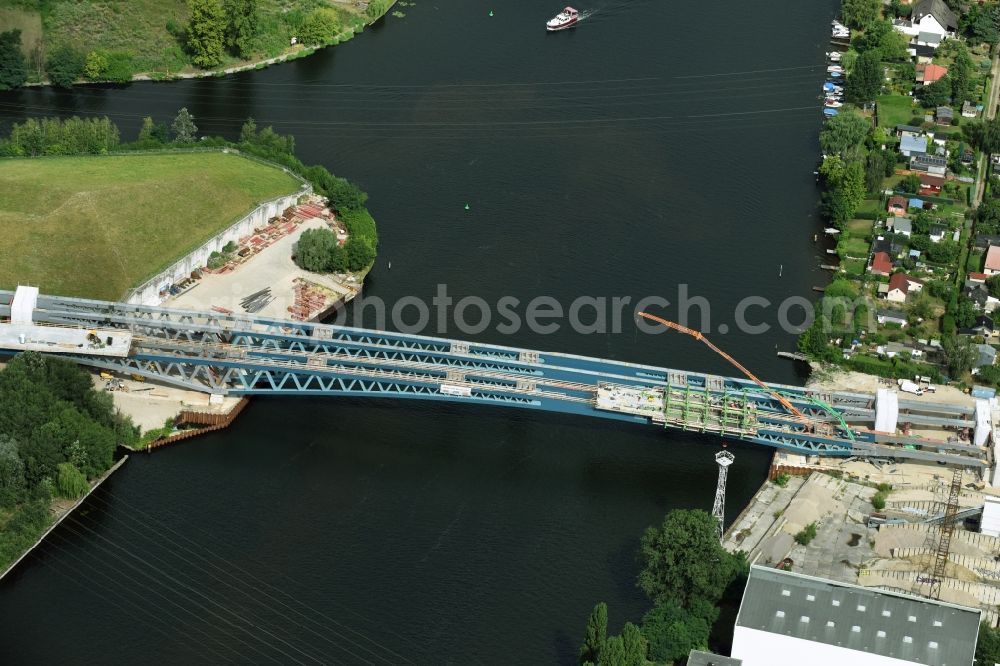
(230, 354)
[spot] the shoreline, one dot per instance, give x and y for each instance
(869, 324)
(73, 507)
(295, 52)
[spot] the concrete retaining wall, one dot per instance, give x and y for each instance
(149, 292)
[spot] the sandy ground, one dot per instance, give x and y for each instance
(846, 380)
(149, 405)
(272, 267)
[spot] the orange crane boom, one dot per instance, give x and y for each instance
(698, 335)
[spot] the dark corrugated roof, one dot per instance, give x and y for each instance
(922, 631)
(938, 10)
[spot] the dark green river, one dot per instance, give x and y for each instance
(657, 146)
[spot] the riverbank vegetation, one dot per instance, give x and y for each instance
(691, 581)
(68, 41)
(56, 434)
(100, 223)
(901, 159)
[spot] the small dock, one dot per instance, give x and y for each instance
(795, 356)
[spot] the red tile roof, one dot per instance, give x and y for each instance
(932, 72)
(902, 282)
(881, 263)
(993, 258)
(982, 277)
(928, 180)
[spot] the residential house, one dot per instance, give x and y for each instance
(790, 619)
(900, 225)
(976, 278)
(911, 144)
(881, 264)
(928, 74)
(894, 349)
(936, 232)
(923, 46)
(891, 317)
(944, 115)
(969, 110)
(930, 17)
(983, 241)
(981, 298)
(903, 129)
(933, 164)
(984, 326)
(897, 205)
(986, 355)
(891, 247)
(992, 264)
(930, 185)
(902, 285)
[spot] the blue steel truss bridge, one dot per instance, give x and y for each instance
(247, 355)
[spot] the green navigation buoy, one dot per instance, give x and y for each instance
(466, 206)
(491, 12)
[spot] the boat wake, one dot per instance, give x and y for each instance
(610, 9)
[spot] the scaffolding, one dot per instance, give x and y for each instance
(701, 410)
(723, 459)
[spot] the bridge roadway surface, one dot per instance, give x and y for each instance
(247, 355)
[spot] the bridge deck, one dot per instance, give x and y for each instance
(246, 355)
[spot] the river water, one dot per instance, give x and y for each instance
(655, 145)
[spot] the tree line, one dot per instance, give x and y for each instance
(56, 432)
(687, 574)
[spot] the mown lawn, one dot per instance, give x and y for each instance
(895, 110)
(98, 226)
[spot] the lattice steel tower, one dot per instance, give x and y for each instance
(724, 459)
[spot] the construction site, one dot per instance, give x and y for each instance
(258, 275)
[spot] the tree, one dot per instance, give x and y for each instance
(961, 355)
(960, 74)
(993, 284)
(635, 645)
(320, 26)
(360, 253)
(70, 482)
(865, 81)
(185, 131)
(597, 634)
(206, 31)
(613, 653)
(12, 484)
(682, 560)
(672, 631)
(243, 25)
(65, 66)
(860, 13)
(875, 167)
(910, 183)
(13, 66)
(96, 65)
(982, 24)
(844, 133)
(248, 132)
(937, 93)
(988, 646)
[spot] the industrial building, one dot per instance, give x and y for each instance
(789, 619)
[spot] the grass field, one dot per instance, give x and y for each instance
(98, 226)
(137, 29)
(895, 110)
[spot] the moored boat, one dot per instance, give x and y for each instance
(567, 18)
